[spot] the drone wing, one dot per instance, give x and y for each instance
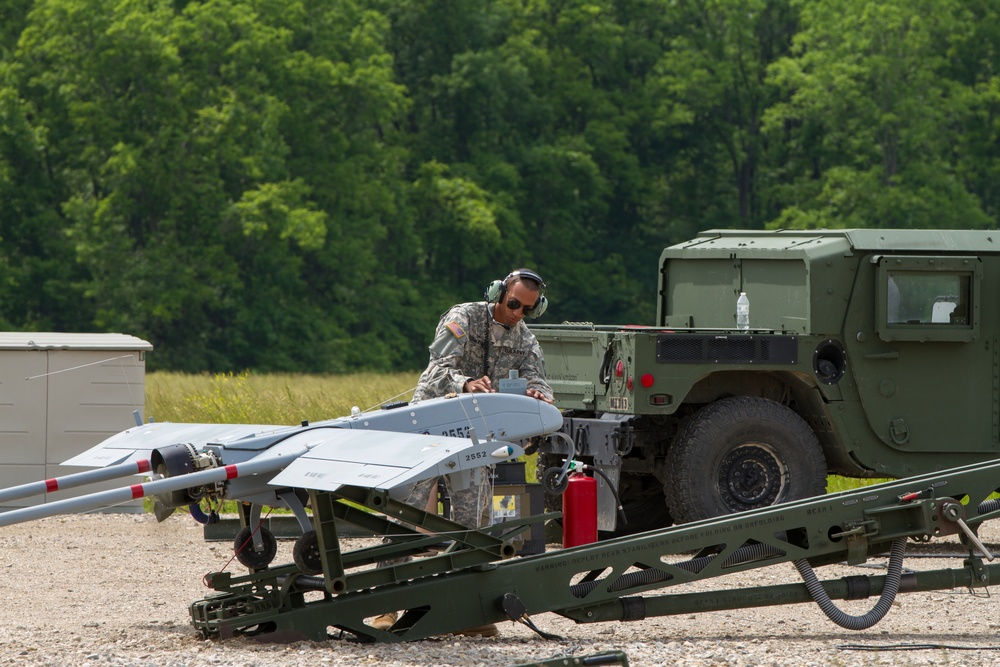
(505, 417)
(388, 460)
(139, 442)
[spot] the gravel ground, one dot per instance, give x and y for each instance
(114, 590)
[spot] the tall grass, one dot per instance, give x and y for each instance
(246, 398)
(835, 483)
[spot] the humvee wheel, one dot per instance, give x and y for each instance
(305, 553)
(742, 453)
(245, 553)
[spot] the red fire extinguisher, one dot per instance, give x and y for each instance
(579, 510)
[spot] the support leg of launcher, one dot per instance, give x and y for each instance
(283, 604)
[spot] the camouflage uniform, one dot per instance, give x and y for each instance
(457, 353)
(460, 344)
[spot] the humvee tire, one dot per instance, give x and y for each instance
(741, 453)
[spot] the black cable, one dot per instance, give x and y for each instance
(486, 341)
(614, 491)
(913, 647)
(515, 610)
(544, 635)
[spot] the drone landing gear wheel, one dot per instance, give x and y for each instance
(551, 482)
(306, 555)
(250, 557)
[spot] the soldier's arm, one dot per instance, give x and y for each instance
(443, 375)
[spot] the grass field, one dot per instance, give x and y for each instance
(269, 399)
(246, 398)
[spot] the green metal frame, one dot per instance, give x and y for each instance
(466, 585)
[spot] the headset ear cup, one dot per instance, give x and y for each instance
(494, 292)
(538, 309)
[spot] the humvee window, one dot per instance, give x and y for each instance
(915, 298)
(923, 298)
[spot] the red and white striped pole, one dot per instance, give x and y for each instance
(74, 480)
(156, 487)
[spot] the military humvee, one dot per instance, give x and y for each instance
(870, 353)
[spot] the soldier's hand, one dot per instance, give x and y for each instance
(481, 385)
(534, 393)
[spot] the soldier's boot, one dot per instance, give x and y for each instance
(488, 630)
(384, 621)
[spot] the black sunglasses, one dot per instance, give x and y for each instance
(514, 304)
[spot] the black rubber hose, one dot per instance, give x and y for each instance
(614, 492)
(881, 608)
(989, 506)
(197, 514)
(569, 459)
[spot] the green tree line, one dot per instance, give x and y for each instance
(305, 185)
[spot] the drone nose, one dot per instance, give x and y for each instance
(551, 417)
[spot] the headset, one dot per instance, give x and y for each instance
(498, 289)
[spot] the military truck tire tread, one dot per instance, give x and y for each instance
(741, 453)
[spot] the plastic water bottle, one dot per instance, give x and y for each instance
(743, 312)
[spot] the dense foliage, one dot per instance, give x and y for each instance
(304, 185)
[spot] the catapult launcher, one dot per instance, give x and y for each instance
(631, 578)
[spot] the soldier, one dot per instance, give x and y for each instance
(477, 344)
(465, 359)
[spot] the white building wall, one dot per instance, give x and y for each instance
(61, 394)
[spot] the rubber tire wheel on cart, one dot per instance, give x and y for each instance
(305, 553)
(742, 453)
(245, 553)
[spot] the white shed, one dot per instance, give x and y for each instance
(60, 394)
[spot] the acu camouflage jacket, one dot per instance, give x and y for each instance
(459, 347)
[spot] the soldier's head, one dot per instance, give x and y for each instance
(521, 293)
